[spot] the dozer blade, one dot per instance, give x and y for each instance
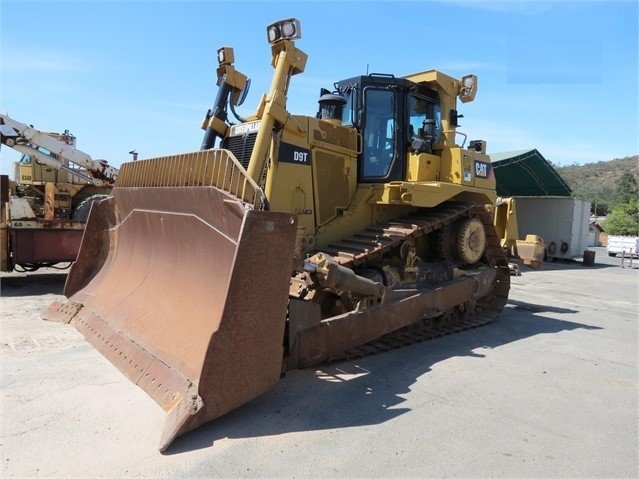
(185, 290)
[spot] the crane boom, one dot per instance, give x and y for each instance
(30, 141)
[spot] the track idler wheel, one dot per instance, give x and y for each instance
(463, 242)
(471, 240)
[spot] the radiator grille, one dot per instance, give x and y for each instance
(241, 147)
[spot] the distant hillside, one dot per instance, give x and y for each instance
(598, 177)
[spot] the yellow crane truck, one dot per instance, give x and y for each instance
(44, 210)
(294, 241)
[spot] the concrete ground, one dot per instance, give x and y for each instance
(549, 390)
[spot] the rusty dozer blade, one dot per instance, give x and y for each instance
(185, 290)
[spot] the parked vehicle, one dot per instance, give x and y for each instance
(623, 245)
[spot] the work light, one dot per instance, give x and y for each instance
(225, 56)
(468, 88)
(289, 29)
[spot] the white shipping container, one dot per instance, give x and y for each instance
(562, 222)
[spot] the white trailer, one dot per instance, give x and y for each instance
(562, 222)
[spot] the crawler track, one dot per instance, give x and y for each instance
(372, 243)
(423, 331)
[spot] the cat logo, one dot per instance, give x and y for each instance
(482, 170)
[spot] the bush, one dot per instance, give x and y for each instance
(624, 220)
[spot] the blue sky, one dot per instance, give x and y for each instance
(558, 76)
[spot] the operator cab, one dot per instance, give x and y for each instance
(393, 116)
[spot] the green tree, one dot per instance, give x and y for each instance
(626, 187)
(598, 194)
(624, 219)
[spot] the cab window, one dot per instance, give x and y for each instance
(424, 119)
(378, 134)
(348, 113)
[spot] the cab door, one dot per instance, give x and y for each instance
(379, 160)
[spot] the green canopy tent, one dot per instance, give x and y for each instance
(527, 173)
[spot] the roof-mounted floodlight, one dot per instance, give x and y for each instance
(468, 88)
(289, 29)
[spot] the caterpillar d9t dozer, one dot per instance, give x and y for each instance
(297, 240)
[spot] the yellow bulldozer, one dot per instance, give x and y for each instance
(294, 241)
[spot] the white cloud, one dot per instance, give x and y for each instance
(502, 137)
(42, 61)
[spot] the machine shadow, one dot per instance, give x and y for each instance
(32, 284)
(564, 265)
(369, 390)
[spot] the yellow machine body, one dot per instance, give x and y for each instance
(297, 240)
